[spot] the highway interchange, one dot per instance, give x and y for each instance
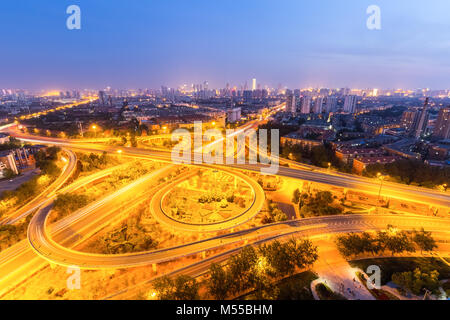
(54, 243)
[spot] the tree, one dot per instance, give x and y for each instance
(296, 196)
(395, 241)
(165, 288)
(424, 240)
(240, 267)
(416, 281)
(279, 257)
(8, 173)
(186, 288)
(182, 288)
(219, 282)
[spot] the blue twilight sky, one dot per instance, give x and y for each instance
(296, 43)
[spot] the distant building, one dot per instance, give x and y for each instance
(296, 139)
(442, 127)
(350, 104)
(421, 122)
(318, 105)
(233, 115)
(347, 155)
(331, 104)
(306, 105)
(248, 95)
(291, 104)
(408, 118)
(7, 161)
(360, 164)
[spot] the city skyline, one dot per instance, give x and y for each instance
(308, 45)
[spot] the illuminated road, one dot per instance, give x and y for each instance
(393, 190)
(322, 226)
(20, 261)
(34, 204)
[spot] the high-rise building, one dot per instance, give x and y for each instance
(331, 104)
(248, 95)
(318, 105)
(421, 123)
(102, 97)
(291, 104)
(408, 119)
(350, 104)
(306, 105)
(253, 84)
(234, 114)
(442, 128)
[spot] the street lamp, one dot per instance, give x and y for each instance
(94, 127)
(381, 178)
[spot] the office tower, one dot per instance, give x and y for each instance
(253, 84)
(291, 104)
(306, 105)
(318, 105)
(421, 123)
(331, 104)
(442, 128)
(350, 104)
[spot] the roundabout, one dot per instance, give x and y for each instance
(161, 214)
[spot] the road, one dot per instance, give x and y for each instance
(55, 253)
(393, 190)
(20, 261)
(33, 205)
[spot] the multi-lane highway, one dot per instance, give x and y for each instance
(393, 190)
(20, 261)
(58, 254)
(50, 244)
(33, 205)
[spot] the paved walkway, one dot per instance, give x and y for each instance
(336, 273)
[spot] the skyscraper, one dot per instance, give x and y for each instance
(291, 104)
(331, 104)
(408, 119)
(254, 84)
(306, 105)
(318, 105)
(350, 104)
(442, 128)
(421, 123)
